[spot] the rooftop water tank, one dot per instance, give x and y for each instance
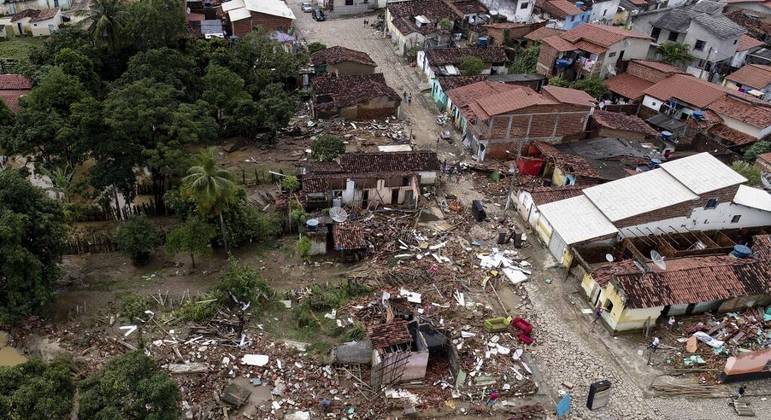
(741, 251)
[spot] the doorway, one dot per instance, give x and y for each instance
(364, 199)
(395, 196)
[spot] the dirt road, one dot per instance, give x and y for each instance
(402, 77)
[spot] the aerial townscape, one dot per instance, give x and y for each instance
(385, 209)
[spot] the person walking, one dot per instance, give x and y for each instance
(492, 398)
(740, 391)
(597, 315)
(653, 346)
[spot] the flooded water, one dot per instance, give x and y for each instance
(9, 356)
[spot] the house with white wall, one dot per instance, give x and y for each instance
(695, 193)
(604, 11)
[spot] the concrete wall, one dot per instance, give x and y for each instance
(604, 11)
(652, 103)
(46, 27)
(705, 219)
(380, 195)
(633, 48)
(339, 8)
(375, 108)
(523, 15)
(722, 48)
(400, 41)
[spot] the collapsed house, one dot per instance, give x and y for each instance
(354, 97)
(341, 61)
(369, 180)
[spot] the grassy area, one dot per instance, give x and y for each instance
(18, 48)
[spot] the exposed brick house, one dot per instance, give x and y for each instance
(590, 50)
(695, 193)
(245, 15)
(12, 88)
(501, 33)
(368, 180)
(342, 61)
(499, 124)
(358, 97)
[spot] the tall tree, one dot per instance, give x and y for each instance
(150, 127)
(223, 90)
(155, 24)
(35, 390)
(106, 21)
(211, 187)
(32, 231)
(163, 65)
(275, 107)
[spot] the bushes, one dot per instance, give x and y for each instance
(131, 386)
(244, 284)
(34, 390)
(327, 148)
(303, 247)
(290, 183)
(138, 238)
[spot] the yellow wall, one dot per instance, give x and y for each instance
(558, 178)
(567, 257)
(544, 230)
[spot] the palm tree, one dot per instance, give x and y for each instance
(106, 19)
(675, 53)
(211, 187)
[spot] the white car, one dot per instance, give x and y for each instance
(307, 8)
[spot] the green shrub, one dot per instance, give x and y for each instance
(35, 390)
(138, 238)
(290, 183)
(304, 247)
(327, 148)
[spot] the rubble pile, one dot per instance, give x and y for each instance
(389, 131)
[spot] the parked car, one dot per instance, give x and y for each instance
(307, 8)
(318, 15)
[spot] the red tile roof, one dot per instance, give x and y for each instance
(747, 42)
(14, 82)
(559, 44)
(686, 88)
(765, 157)
(444, 56)
(389, 334)
(543, 32)
(662, 67)
(756, 76)
(508, 101)
(731, 136)
(694, 280)
(602, 35)
(623, 122)
(544, 195)
(569, 96)
(390, 162)
(44, 15)
(753, 113)
(351, 90)
(628, 86)
(468, 7)
(559, 8)
(465, 95)
(348, 236)
(449, 83)
(337, 54)
(12, 88)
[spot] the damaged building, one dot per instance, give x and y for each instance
(369, 180)
(354, 97)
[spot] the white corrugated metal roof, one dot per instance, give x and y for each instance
(233, 4)
(703, 173)
(239, 14)
(270, 7)
(753, 197)
(576, 219)
(638, 194)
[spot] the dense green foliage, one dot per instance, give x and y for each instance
(131, 386)
(748, 171)
(36, 391)
(242, 284)
(525, 61)
(558, 81)
(138, 238)
(290, 183)
(327, 147)
(675, 53)
(32, 231)
(131, 90)
(757, 149)
(592, 85)
(314, 47)
(471, 65)
(193, 237)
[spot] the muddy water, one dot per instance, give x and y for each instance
(9, 356)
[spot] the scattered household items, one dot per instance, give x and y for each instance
(599, 395)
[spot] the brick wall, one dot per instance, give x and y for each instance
(723, 195)
(546, 58)
(568, 119)
(271, 22)
(646, 73)
(242, 27)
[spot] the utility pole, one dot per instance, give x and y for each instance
(706, 61)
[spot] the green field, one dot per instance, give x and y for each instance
(19, 48)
